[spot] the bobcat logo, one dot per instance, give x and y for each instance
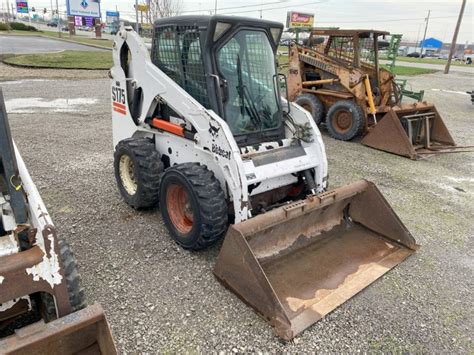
(214, 131)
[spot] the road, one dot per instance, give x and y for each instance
(453, 68)
(34, 44)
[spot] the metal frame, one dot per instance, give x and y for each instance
(35, 266)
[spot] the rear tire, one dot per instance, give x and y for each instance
(137, 167)
(75, 291)
(193, 205)
(313, 105)
(345, 120)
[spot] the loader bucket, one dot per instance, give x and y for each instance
(82, 332)
(297, 263)
(411, 131)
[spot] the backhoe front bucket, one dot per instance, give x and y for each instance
(411, 131)
(297, 263)
(82, 332)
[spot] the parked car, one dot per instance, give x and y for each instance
(52, 24)
(413, 55)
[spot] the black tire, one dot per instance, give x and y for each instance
(345, 120)
(313, 105)
(193, 205)
(137, 167)
(75, 290)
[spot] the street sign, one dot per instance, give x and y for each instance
(22, 7)
(90, 8)
(143, 8)
(299, 20)
(112, 17)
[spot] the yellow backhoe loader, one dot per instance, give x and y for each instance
(336, 76)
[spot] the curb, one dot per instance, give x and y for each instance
(45, 67)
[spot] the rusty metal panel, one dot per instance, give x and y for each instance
(297, 263)
(388, 135)
(433, 137)
(81, 332)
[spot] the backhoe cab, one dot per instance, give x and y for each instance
(200, 127)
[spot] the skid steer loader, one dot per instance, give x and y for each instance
(38, 277)
(337, 77)
(201, 128)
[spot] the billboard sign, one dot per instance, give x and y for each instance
(84, 21)
(22, 7)
(89, 8)
(299, 20)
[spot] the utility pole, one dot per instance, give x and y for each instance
(8, 11)
(427, 19)
(59, 19)
(215, 7)
(52, 11)
(455, 37)
(136, 16)
(417, 38)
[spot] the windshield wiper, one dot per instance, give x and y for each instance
(244, 96)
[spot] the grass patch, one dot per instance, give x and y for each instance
(64, 60)
(430, 61)
(80, 39)
(411, 70)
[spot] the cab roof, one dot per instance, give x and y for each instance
(206, 21)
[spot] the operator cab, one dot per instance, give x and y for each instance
(228, 65)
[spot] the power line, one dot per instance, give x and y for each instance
(235, 7)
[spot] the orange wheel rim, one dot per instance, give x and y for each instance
(179, 208)
(342, 121)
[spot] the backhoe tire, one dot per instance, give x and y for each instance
(345, 120)
(313, 105)
(193, 205)
(75, 291)
(138, 167)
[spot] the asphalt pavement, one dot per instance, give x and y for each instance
(36, 44)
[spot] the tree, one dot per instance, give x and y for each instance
(164, 8)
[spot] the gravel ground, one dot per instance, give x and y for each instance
(159, 297)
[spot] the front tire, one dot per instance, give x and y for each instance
(193, 205)
(75, 291)
(137, 167)
(345, 120)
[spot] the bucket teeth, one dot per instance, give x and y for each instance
(294, 268)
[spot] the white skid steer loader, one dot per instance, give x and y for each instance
(200, 127)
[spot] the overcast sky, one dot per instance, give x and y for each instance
(396, 16)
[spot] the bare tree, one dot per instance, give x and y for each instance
(164, 8)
